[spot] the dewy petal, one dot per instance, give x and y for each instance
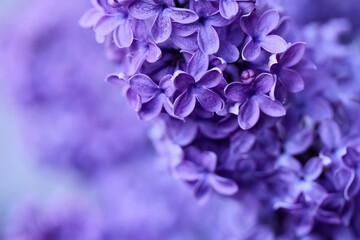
(143, 85)
(161, 29)
(274, 44)
(313, 168)
(330, 134)
(249, 114)
(293, 55)
(270, 107)
(198, 64)
(182, 15)
(90, 17)
(263, 83)
(237, 92)
(291, 80)
(184, 104)
(228, 8)
(153, 53)
(211, 78)
(188, 171)
(209, 100)
(268, 21)
(229, 52)
(151, 109)
(123, 35)
(223, 185)
(143, 10)
(251, 51)
(208, 40)
(183, 81)
(107, 24)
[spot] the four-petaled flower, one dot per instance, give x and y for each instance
(163, 11)
(252, 97)
(258, 29)
(200, 170)
(154, 97)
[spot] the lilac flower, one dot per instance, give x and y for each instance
(164, 12)
(252, 97)
(202, 172)
(287, 76)
(154, 97)
(258, 30)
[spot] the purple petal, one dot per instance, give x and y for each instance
(181, 132)
(249, 24)
(167, 85)
(330, 134)
(293, 55)
(209, 100)
(186, 43)
(229, 52)
(118, 80)
(123, 35)
(90, 18)
(351, 158)
(208, 40)
(223, 185)
(242, 142)
(188, 171)
(249, 114)
(151, 109)
(143, 85)
(107, 24)
(202, 191)
(319, 109)
(268, 21)
(182, 15)
(153, 53)
(313, 168)
(183, 81)
(198, 64)
(184, 104)
(299, 141)
(211, 78)
(270, 107)
(133, 99)
(184, 30)
(237, 92)
(304, 223)
(209, 160)
(161, 29)
(274, 44)
(263, 83)
(353, 187)
(143, 10)
(251, 51)
(228, 8)
(291, 80)
(217, 20)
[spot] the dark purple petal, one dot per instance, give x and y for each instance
(272, 108)
(208, 40)
(202, 191)
(209, 160)
(143, 85)
(291, 80)
(330, 134)
(184, 104)
(263, 83)
(223, 185)
(198, 64)
(183, 16)
(274, 44)
(228, 8)
(183, 81)
(90, 18)
(237, 92)
(353, 187)
(242, 142)
(167, 85)
(209, 100)
(107, 24)
(188, 171)
(211, 78)
(249, 24)
(351, 158)
(293, 55)
(143, 10)
(229, 52)
(304, 223)
(251, 51)
(151, 108)
(249, 114)
(268, 21)
(123, 35)
(153, 53)
(313, 168)
(161, 29)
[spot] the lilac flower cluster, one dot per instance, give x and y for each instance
(241, 109)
